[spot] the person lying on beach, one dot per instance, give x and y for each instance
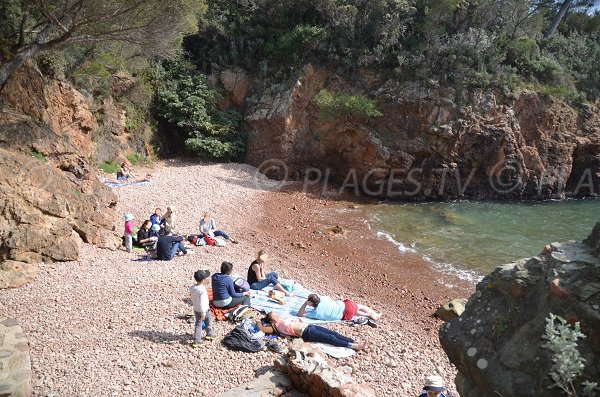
(309, 333)
(168, 246)
(434, 387)
(209, 226)
(257, 277)
(224, 294)
(324, 308)
(144, 239)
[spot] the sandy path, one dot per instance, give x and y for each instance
(108, 324)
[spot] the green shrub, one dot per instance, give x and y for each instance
(293, 42)
(37, 155)
(109, 167)
(338, 105)
(136, 158)
(567, 363)
(185, 100)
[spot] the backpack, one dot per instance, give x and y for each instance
(241, 312)
(241, 285)
(240, 339)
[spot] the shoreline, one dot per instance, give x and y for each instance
(389, 280)
(115, 320)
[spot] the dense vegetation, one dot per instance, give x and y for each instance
(549, 45)
(554, 46)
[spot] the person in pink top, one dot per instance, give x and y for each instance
(309, 333)
(128, 234)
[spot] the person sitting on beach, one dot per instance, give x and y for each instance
(324, 308)
(124, 173)
(168, 219)
(157, 218)
(434, 387)
(155, 231)
(224, 293)
(309, 333)
(257, 277)
(144, 239)
(209, 226)
(168, 246)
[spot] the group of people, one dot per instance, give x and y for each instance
(157, 234)
(319, 307)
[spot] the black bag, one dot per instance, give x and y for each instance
(239, 339)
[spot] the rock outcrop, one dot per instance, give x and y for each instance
(310, 373)
(496, 344)
(50, 197)
(429, 144)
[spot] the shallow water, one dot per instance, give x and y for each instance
(475, 237)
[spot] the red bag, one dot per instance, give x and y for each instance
(209, 240)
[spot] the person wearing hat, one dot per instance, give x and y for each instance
(128, 234)
(434, 387)
(155, 230)
(257, 277)
(201, 309)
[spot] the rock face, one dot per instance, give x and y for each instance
(51, 199)
(496, 344)
(429, 144)
(309, 371)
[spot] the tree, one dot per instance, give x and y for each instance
(566, 6)
(39, 25)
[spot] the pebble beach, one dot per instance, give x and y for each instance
(113, 323)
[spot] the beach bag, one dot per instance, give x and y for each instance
(240, 339)
(241, 285)
(219, 242)
(288, 285)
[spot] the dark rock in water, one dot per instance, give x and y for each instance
(496, 344)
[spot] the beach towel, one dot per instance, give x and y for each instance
(120, 184)
(260, 300)
(215, 312)
(334, 351)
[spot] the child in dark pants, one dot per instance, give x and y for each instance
(201, 308)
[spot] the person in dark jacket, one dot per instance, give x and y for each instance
(168, 246)
(144, 239)
(224, 294)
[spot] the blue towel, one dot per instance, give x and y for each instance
(261, 301)
(119, 184)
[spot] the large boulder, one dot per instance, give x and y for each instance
(496, 344)
(51, 200)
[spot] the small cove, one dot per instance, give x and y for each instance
(472, 238)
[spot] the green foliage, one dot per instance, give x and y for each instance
(37, 155)
(109, 167)
(339, 105)
(567, 363)
(185, 100)
(291, 42)
(136, 158)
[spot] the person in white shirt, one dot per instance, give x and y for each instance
(201, 309)
(209, 226)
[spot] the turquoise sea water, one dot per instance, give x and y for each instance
(475, 237)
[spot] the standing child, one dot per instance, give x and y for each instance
(201, 308)
(128, 235)
(434, 387)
